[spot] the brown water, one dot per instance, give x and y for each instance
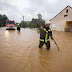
(19, 52)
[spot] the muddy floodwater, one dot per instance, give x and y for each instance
(19, 52)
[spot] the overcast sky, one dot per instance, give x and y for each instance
(16, 9)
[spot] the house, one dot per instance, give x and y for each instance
(63, 20)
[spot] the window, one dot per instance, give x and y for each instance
(53, 25)
(65, 15)
(67, 11)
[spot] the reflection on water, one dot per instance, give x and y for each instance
(19, 52)
(18, 32)
(7, 34)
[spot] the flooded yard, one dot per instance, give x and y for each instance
(19, 52)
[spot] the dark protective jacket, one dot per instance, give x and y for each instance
(18, 27)
(44, 34)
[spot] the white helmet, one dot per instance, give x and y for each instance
(47, 22)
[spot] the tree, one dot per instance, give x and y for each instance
(3, 19)
(24, 24)
(35, 23)
(41, 21)
(39, 16)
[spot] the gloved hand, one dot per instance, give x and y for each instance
(41, 27)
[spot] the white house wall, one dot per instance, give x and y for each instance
(60, 20)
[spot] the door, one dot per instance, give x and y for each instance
(71, 28)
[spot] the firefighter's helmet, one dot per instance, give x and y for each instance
(47, 22)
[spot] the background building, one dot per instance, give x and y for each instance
(63, 20)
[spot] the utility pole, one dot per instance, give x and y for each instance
(23, 18)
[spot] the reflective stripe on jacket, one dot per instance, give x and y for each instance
(44, 34)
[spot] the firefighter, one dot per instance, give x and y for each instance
(18, 27)
(45, 32)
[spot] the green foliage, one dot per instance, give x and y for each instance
(3, 19)
(31, 27)
(35, 23)
(24, 24)
(17, 23)
(39, 16)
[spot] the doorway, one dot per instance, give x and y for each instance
(70, 27)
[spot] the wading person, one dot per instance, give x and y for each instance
(18, 27)
(45, 32)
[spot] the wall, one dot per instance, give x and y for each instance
(60, 20)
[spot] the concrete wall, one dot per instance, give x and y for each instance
(60, 20)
